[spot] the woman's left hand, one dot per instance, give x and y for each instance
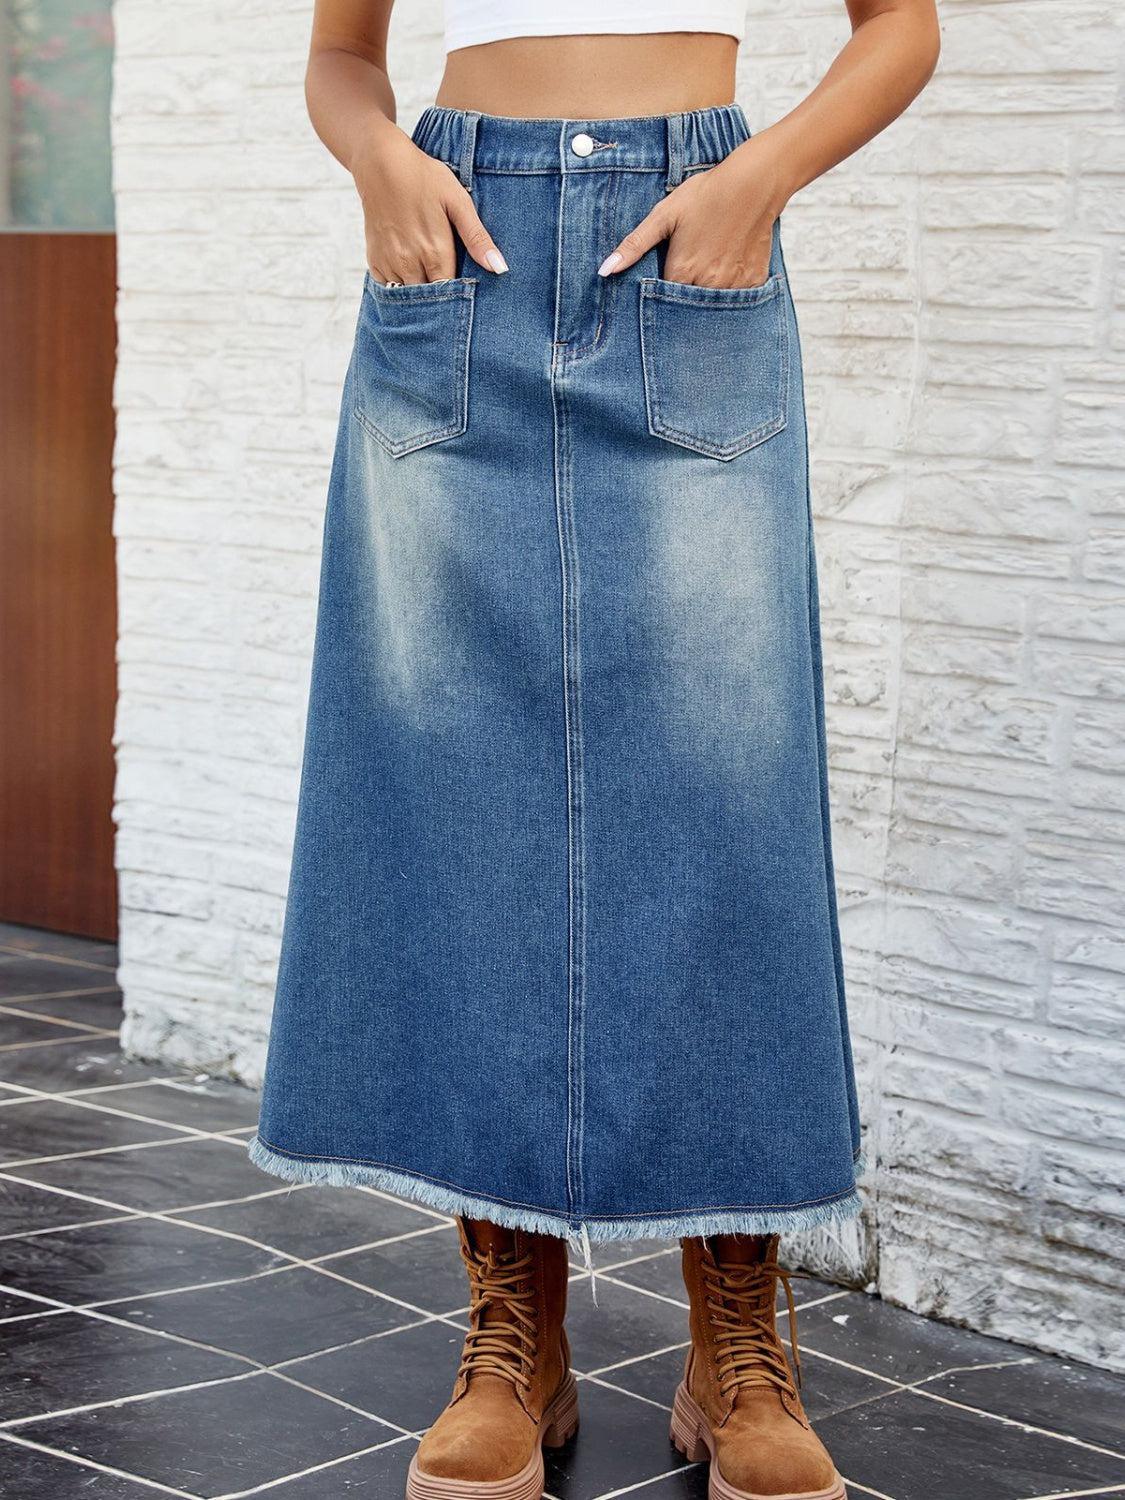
(718, 223)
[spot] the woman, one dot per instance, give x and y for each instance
(561, 952)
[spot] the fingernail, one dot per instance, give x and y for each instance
(496, 262)
(610, 263)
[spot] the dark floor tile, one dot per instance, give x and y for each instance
(19, 1031)
(912, 1449)
(405, 1377)
(80, 1062)
(655, 1377)
(56, 944)
(318, 1221)
(872, 1334)
(100, 1012)
(44, 1476)
(55, 1127)
(156, 1178)
(425, 1271)
(624, 1322)
(659, 1272)
(27, 975)
(1072, 1399)
(213, 1104)
(128, 1258)
(621, 1441)
(67, 1359)
(380, 1475)
(686, 1483)
(221, 1438)
(25, 1207)
(269, 1318)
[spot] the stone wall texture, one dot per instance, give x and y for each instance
(962, 293)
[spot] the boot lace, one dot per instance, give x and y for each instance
(748, 1351)
(505, 1343)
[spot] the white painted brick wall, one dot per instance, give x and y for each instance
(962, 295)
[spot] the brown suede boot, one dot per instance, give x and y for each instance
(514, 1392)
(738, 1404)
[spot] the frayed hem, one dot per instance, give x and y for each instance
(447, 1200)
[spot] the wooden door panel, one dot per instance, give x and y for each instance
(57, 586)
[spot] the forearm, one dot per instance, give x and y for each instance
(350, 101)
(884, 66)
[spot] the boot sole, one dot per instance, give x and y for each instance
(691, 1435)
(559, 1424)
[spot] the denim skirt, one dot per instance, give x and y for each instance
(561, 946)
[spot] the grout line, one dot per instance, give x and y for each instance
(295, 1263)
(998, 1364)
(629, 1260)
(623, 1391)
(421, 1208)
(28, 1234)
(782, 1312)
(53, 1304)
(332, 1463)
(131, 1400)
(57, 958)
(365, 1338)
(25, 1012)
(92, 1107)
(636, 1359)
(1060, 1437)
(631, 1489)
(198, 1208)
(916, 1388)
(89, 1463)
(865, 1489)
(127, 1210)
(1113, 1489)
(61, 1192)
(111, 1151)
(158, 1080)
(832, 1359)
(316, 1261)
(256, 1368)
(643, 1290)
(339, 1401)
(57, 1041)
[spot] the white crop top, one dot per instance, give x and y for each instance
(468, 22)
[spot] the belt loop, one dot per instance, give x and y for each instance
(675, 152)
(471, 119)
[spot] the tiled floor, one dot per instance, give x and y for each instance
(173, 1322)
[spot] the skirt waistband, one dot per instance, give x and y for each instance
(672, 144)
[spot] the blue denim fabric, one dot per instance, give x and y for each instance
(561, 945)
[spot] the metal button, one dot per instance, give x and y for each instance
(582, 144)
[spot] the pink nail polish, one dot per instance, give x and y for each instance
(610, 263)
(496, 262)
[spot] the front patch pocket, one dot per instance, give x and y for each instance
(412, 362)
(716, 364)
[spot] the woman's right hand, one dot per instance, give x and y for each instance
(412, 204)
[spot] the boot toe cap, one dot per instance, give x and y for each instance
(761, 1471)
(475, 1454)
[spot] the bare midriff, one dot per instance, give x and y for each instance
(591, 77)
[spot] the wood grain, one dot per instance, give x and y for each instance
(57, 586)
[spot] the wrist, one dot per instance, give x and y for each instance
(768, 165)
(370, 142)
